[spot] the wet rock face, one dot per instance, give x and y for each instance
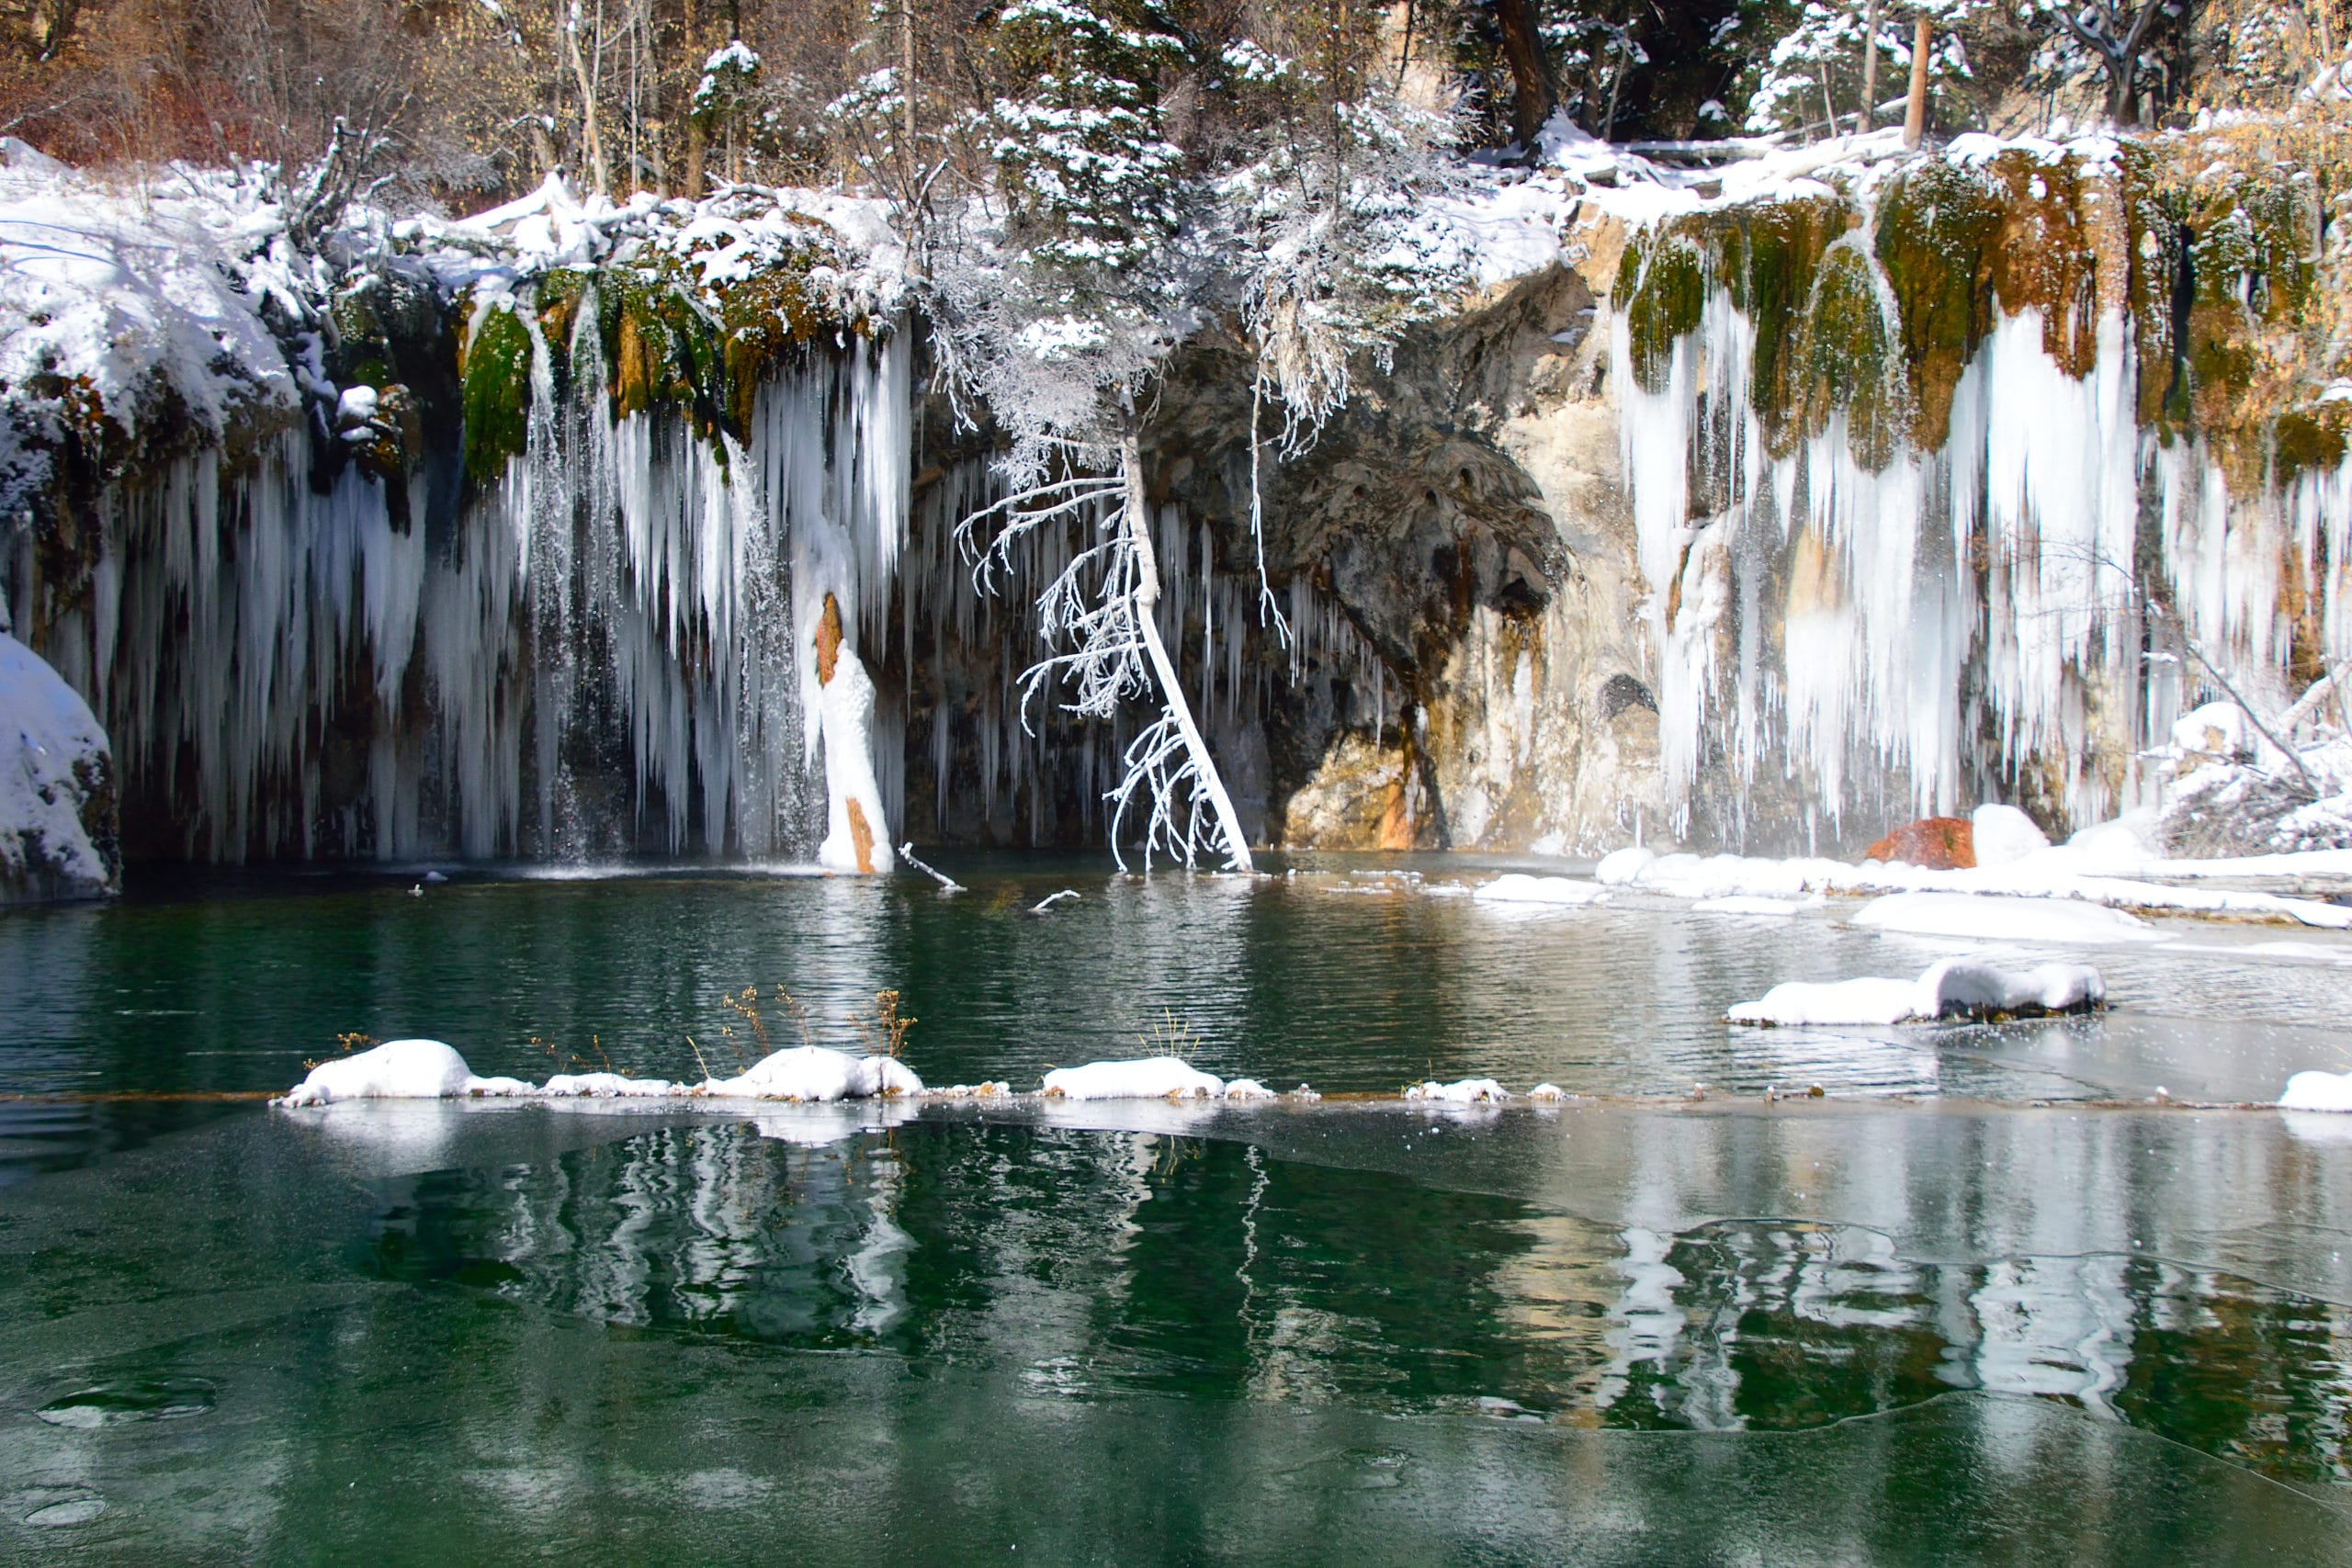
(58, 836)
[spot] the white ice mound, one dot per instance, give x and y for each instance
(398, 1069)
(1462, 1091)
(1992, 918)
(1955, 988)
(1153, 1077)
(2318, 1091)
(1248, 1089)
(1518, 887)
(817, 1075)
(2002, 835)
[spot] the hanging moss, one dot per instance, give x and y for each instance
(1769, 258)
(2045, 253)
(763, 320)
(555, 300)
(2311, 438)
(1668, 290)
(1936, 226)
(497, 393)
(1849, 358)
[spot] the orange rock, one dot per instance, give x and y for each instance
(1932, 843)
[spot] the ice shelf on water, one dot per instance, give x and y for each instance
(1951, 987)
(429, 1069)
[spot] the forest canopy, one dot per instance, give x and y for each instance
(463, 103)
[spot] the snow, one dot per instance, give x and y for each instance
(1995, 918)
(50, 744)
(1152, 1077)
(429, 1069)
(2318, 1091)
(2039, 888)
(398, 1069)
(1462, 1091)
(1248, 1089)
(1952, 988)
(1547, 1094)
(1518, 887)
(817, 1074)
(2003, 835)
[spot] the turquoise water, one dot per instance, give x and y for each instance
(1920, 1319)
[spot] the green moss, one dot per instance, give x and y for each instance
(496, 400)
(1849, 360)
(2310, 438)
(1769, 258)
(1664, 305)
(1935, 228)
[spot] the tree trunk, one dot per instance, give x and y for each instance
(1869, 66)
(603, 175)
(1534, 92)
(1914, 111)
(1171, 689)
(697, 137)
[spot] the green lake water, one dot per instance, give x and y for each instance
(1979, 1301)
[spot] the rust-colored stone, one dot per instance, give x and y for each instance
(828, 641)
(1932, 843)
(861, 836)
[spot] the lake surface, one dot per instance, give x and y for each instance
(1980, 1302)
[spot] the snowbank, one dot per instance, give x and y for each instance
(1518, 887)
(2318, 1091)
(1955, 988)
(1153, 1077)
(428, 1069)
(56, 792)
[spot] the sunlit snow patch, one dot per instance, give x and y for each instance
(1153, 1077)
(398, 1069)
(2318, 1091)
(1956, 987)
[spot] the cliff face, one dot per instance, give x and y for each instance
(1759, 523)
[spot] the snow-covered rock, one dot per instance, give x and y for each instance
(428, 1069)
(1518, 887)
(57, 796)
(1248, 1089)
(1462, 1091)
(2318, 1091)
(398, 1069)
(817, 1074)
(1152, 1077)
(1954, 987)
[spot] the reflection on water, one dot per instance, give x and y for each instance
(1098, 1262)
(1363, 1334)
